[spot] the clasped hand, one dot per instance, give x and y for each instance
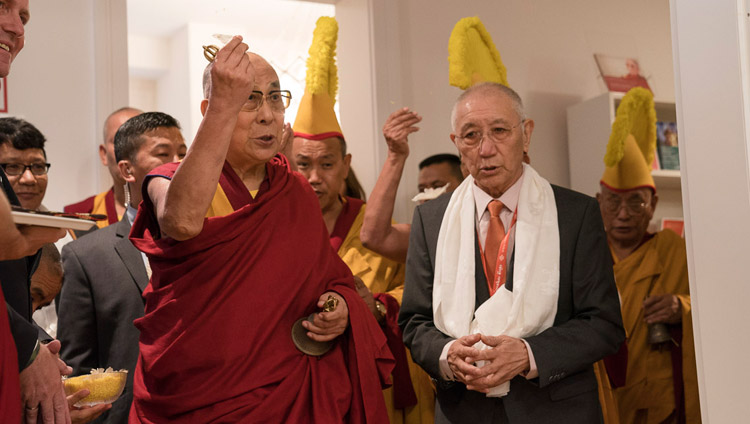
(326, 326)
(504, 358)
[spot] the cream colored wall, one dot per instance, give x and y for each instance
(547, 46)
(64, 81)
(713, 114)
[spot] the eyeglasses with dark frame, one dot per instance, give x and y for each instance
(277, 99)
(497, 134)
(16, 169)
(635, 206)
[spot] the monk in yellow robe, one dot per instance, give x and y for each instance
(660, 383)
(324, 163)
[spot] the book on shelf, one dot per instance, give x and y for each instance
(675, 224)
(667, 145)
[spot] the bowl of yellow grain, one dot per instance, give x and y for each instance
(105, 386)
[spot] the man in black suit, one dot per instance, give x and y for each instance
(105, 274)
(473, 343)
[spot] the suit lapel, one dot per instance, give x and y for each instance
(131, 257)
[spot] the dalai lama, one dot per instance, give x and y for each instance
(239, 252)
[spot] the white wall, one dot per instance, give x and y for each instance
(54, 84)
(713, 94)
(547, 46)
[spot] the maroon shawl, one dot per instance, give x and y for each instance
(215, 341)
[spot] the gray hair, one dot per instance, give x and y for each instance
(486, 88)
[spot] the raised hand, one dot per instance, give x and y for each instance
(397, 128)
(232, 76)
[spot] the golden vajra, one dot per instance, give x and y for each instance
(209, 52)
(330, 304)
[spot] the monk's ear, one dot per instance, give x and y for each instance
(204, 106)
(126, 170)
(347, 163)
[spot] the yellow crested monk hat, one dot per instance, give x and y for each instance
(632, 143)
(472, 56)
(316, 119)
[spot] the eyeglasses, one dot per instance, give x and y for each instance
(277, 99)
(497, 133)
(634, 206)
(16, 169)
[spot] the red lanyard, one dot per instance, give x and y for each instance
(502, 253)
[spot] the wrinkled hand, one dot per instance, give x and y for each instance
(28, 239)
(326, 326)
(232, 75)
(662, 308)
(459, 355)
(505, 358)
(85, 414)
(397, 128)
(41, 387)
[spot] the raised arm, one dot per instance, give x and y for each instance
(181, 204)
(378, 233)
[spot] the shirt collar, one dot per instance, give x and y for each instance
(130, 213)
(509, 198)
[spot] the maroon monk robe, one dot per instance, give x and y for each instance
(215, 341)
(10, 389)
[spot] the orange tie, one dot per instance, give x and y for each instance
(495, 235)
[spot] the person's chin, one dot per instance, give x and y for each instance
(623, 233)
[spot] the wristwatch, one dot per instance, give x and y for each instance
(381, 309)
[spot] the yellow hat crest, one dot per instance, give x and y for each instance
(632, 143)
(316, 119)
(472, 56)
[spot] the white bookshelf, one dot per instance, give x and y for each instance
(589, 126)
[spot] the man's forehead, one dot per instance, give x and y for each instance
(485, 107)
(265, 75)
(164, 135)
(639, 192)
(317, 148)
(7, 151)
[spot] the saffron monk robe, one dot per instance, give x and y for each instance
(412, 397)
(319, 151)
(660, 381)
(239, 252)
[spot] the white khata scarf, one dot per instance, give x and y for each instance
(531, 307)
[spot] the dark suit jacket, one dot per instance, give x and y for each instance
(15, 277)
(587, 327)
(101, 296)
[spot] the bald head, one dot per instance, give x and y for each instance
(107, 148)
(46, 281)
